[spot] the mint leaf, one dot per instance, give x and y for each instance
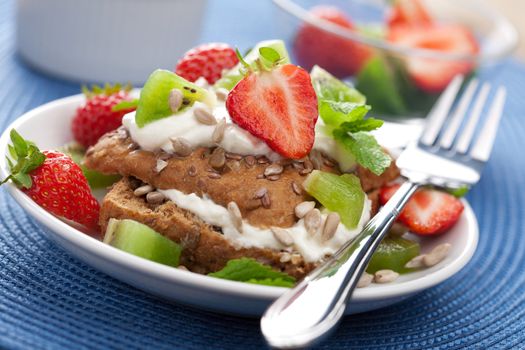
(365, 149)
(361, 125)
(335, 113)
(125, 105)
(328, 87)
(250, 271)
(269, 54)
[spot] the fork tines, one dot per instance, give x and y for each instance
(467, 113)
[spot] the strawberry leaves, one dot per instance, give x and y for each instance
(25, 157)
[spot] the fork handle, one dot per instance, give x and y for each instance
(307, 313)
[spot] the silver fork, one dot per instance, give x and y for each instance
(443, 157)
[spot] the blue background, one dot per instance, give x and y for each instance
(50, 300)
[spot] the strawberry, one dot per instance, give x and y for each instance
(278, 106)
(102, 113)
(428, 212)
(433, 75)
(53, 180)
(341, 57)
(208, 61)
(408, 12)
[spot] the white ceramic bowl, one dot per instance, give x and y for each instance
(106, 40)
(48, 126)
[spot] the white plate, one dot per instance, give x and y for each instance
(49, 127)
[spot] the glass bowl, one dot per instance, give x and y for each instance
(383, 70)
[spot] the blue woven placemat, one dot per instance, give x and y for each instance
(50, 300)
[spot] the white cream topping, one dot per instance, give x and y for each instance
(311, 247)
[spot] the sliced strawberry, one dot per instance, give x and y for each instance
(408, 12)
(207, 61)
(277, 106)
(341, 57)
(433, 75)
(428, 212)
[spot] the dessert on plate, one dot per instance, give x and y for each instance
(246, 168)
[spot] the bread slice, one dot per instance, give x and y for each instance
(204, 247)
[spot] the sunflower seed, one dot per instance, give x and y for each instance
(204, 116)
(385, 276)
(260, 193)
(365, 280)
(175, 100)
(233, 165)
(262, 160)
(416, 262)
(235, 215)
(164, 155)
(260, 176)
(182, 267)
(282, 236)
(328, 162)
(217, 158)
(317, 159)
(161, 164)
(303, 208)
(266, 201)
(214, 176)
(297, 190)
(312, 221)
(250, 160)
(181, 146)
(273, 169)
(436, 255)
(218, 132)
(155, 197)
(142, 190)
(235, 156)
(222, 94)
(285, 257)
(298, 166)
(308, 167)
(296, 259)
(192, 171)
(330, 226)
(273, 177)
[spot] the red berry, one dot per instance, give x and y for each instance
(95, 117)
(279, 107)
(433, 75)
(408, 12)
(340, 56)
(428, 212)
(208, 61)
(60, 187)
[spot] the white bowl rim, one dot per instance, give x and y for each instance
(194, 280)
(501, 21)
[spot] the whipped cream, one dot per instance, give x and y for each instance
(311, 247)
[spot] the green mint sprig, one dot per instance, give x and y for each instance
(250, 271)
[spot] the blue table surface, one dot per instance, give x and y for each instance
(51, 300)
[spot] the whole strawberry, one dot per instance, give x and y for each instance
(102, 113)
(207, 61)
(53, 181)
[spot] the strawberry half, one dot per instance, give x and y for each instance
(428, 212)
(207, 61)
(278, 106)
(408, 12)
(53, 180)
(433, 75)
(341, 57)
